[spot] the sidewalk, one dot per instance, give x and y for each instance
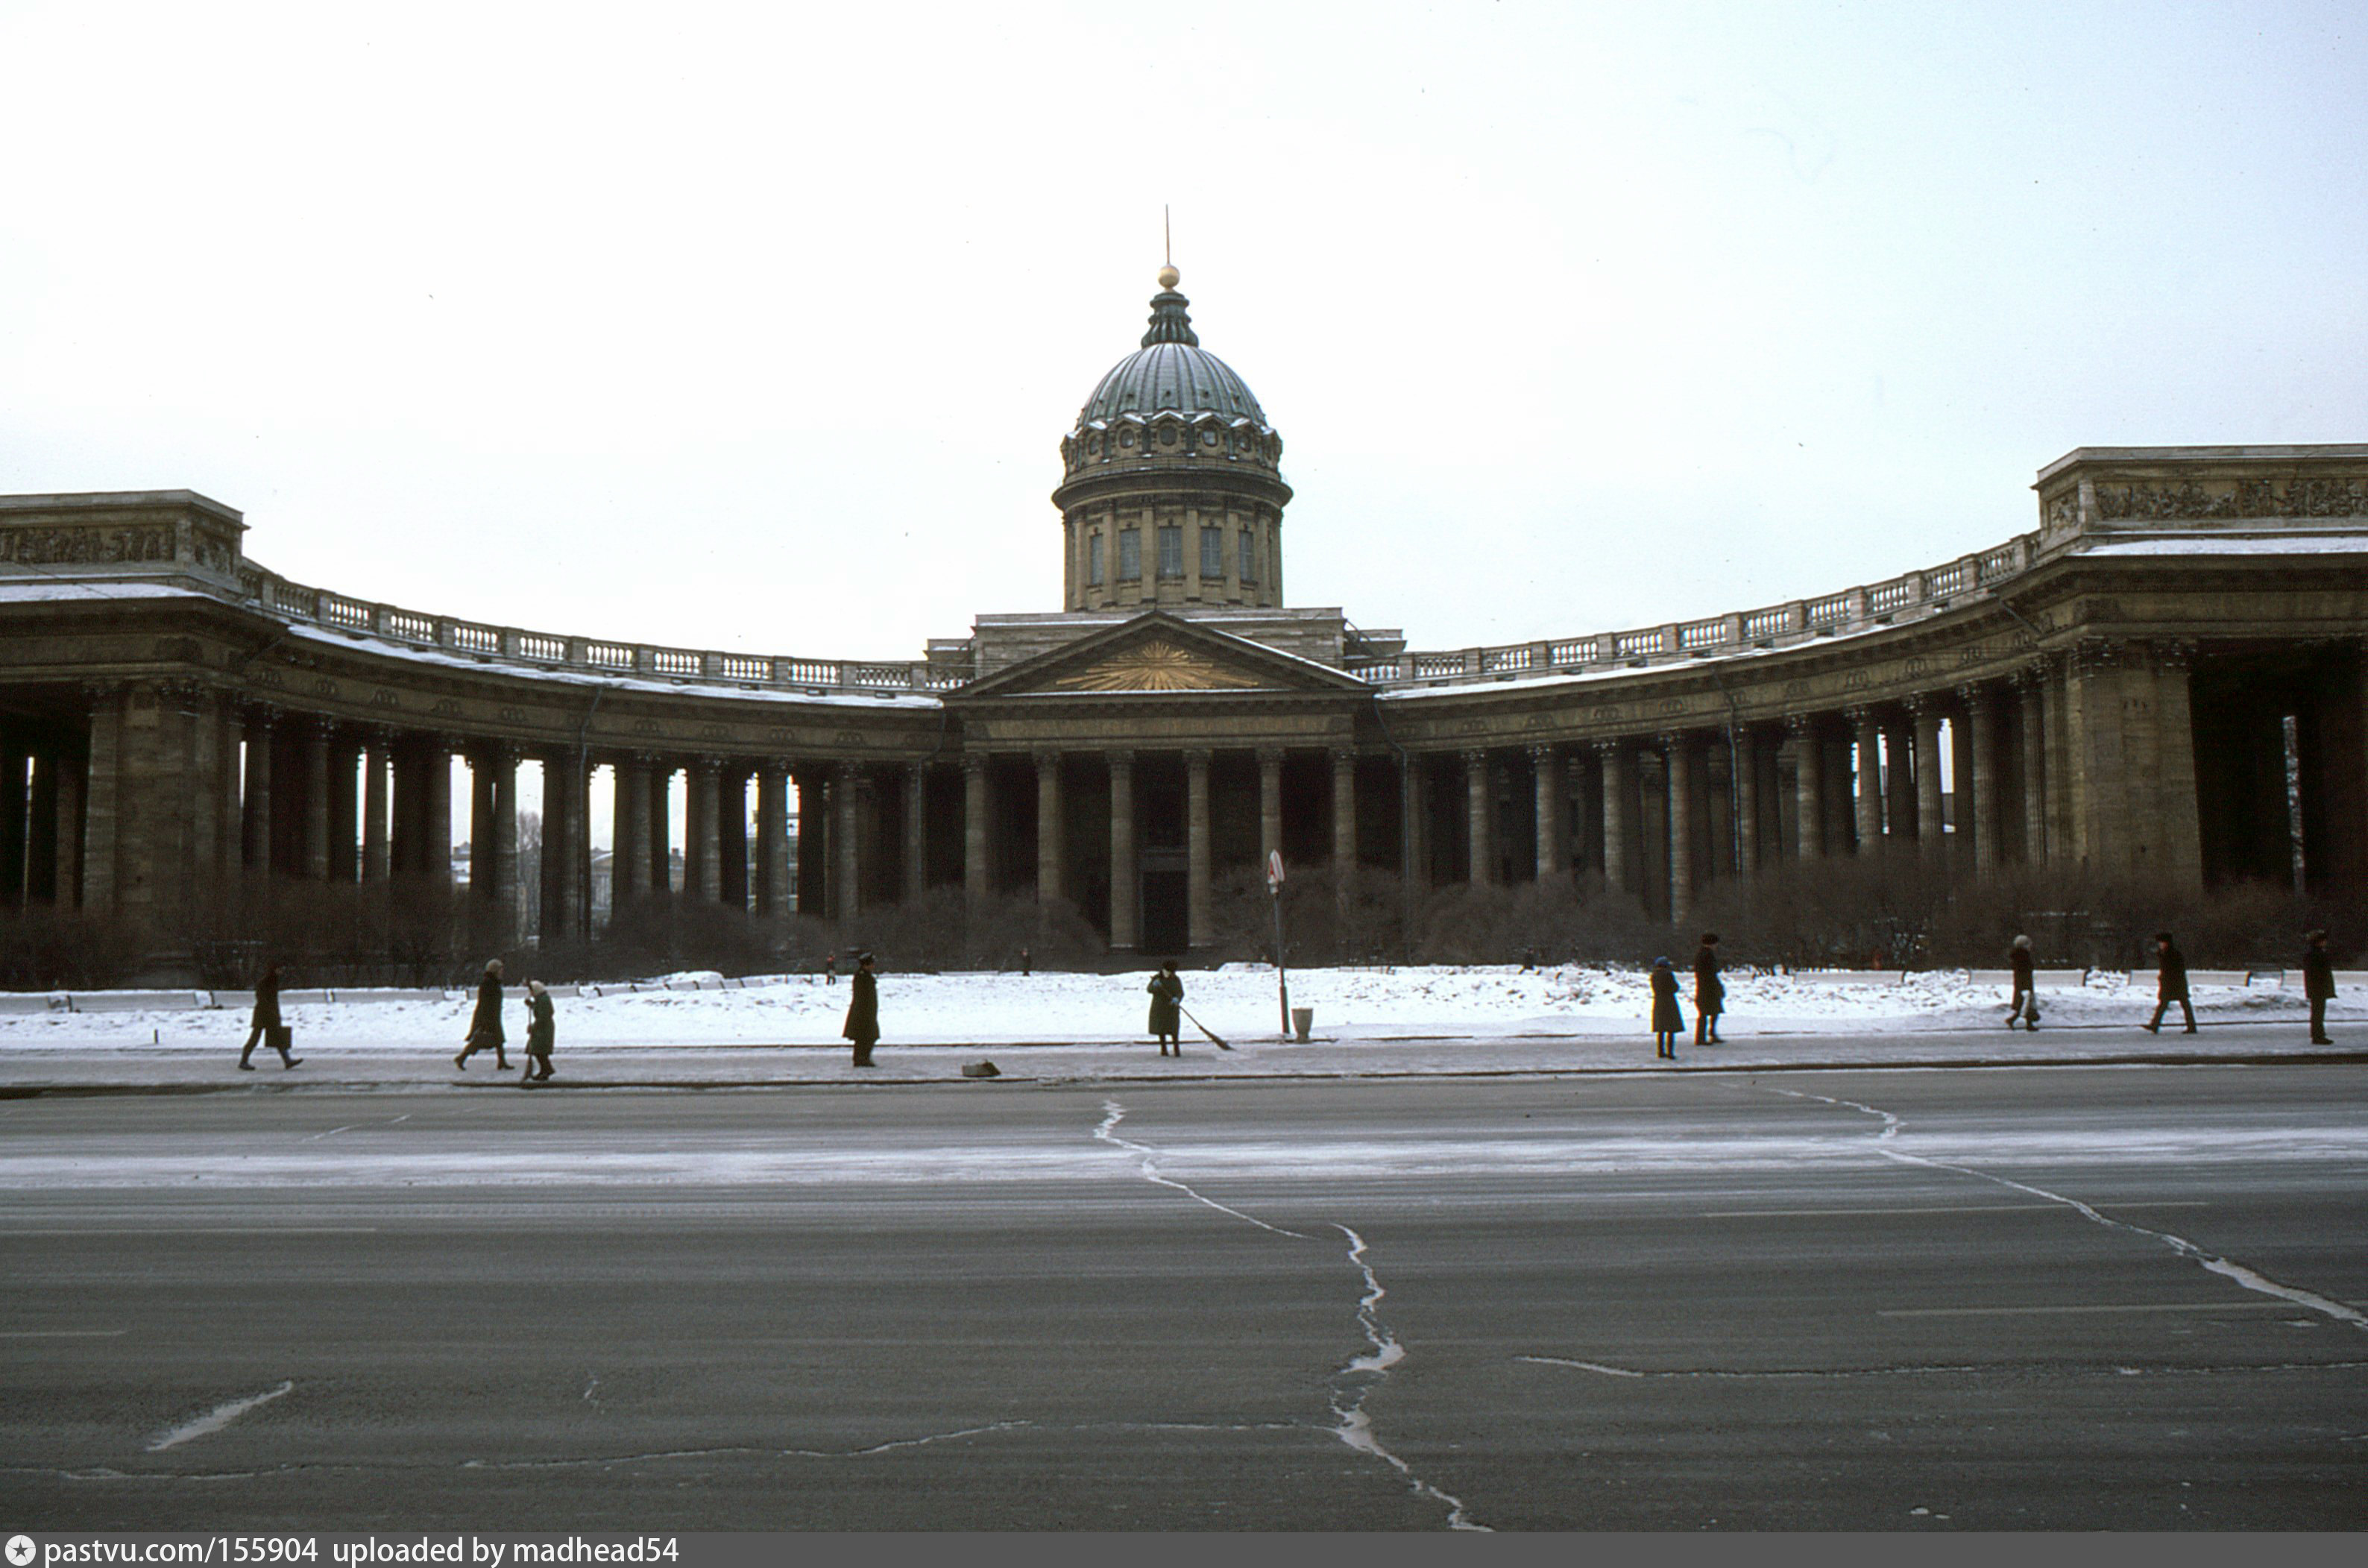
(193, 1065)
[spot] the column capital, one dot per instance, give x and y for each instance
(1270, 756)
(1672, 740)
(1119, 756)
(258, 715)
(1608, 750)
(1047, 758)
(2174, 652)
(1342, 757)
(1475, 756)
(1541, 754)
(1196, 758)
(1801, 724)
(1975, 696)
(1861, 715)
(316, 727)
(973, 763)
(1919, 704)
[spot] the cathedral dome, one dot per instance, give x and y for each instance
(1171, 373)
(1171, 492)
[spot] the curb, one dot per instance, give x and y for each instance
(666, 1086)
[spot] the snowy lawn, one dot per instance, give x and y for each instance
(1238, 1002)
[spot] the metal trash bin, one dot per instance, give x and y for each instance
(1302, 1020)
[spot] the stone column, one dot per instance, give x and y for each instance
(629, 834)
(70, 830)
(1126, 898)
(2036, 846)
(1482, 855)
(1048, 828)
(976, 870)
(846, 864)
(16, 765)
(2178, 829)
(1808, 786)
(1413, 802)
(661, 827)
(100, 824)
(1746, 763)
(917, 832)
(1898, 786)
(773, 894)
(564, 810)
(1270, 766)
(1960, 762)
(255, 809)
(1343, 811)
(1680, 752)
(316, 799)
(229, 855)
(1618, 774)
(506, 880)
(1870, 780)
(436, 783)
(345, 810)
(1977, 802)
(1546, 778)
(374, 796)
(1199, 930)
(1931, 838)
(702, 849)
(731, 835)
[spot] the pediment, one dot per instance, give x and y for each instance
(1160, 655)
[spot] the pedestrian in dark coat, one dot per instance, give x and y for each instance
(1668, 1022)
(1709, 992)
(2169, 983)
(265, 1023)
(2318, 985)
(542, 1029)
(1166, 990)
(2024, 1003)
(486, 1023)
(863, 1012)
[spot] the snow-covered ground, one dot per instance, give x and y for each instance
(1238, 1001)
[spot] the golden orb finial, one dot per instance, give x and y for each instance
(1169, 277)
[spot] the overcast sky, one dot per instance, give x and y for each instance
(758, 327)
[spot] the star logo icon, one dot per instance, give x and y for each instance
(20, 1550)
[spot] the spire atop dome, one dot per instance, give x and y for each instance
(1169, 321)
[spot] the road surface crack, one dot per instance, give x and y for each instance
(2250, 1278)
(1354, 1383)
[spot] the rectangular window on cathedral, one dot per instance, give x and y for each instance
(1213, 553)
(1094, 560)
(1249, 556)
(1171, 551)
(1130, 555)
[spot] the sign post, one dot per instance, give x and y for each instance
(1282, 977)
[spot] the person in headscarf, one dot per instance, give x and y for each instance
(1668, 1022)
(541, 1029)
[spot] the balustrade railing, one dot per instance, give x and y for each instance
(1911, 595)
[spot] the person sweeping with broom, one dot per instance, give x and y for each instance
(1166, 990)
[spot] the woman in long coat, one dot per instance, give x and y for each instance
(1668, 1022)
(265, 1026)
(1709, 992)
(1166, 1003)
(486, 1023)
(863, 1012)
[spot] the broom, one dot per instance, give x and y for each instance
(1205, 1029)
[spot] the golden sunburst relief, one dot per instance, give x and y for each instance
(1157, 666)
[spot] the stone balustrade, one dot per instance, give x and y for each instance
(1906, 597)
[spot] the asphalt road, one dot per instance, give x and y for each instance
(2125, 1299)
